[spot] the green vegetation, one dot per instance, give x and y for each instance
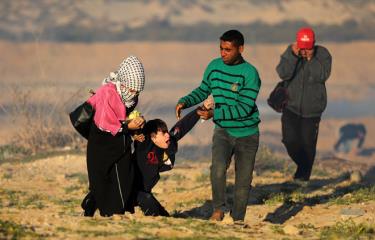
(72, 188)
(81, 177)
(348, 230)
(180, 189)
(8, 175)
(277, 229)
(364, 194)
(177, 177)
(20, 199)
(276, 198)
(191, 203)
(203, 178)
(11, 151)
(11, 230)
(267, 161)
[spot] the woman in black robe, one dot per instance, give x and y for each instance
(110, 170)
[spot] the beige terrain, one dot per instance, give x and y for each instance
(40, 199)
(169, 65)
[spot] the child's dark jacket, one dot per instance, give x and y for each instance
(150, 159)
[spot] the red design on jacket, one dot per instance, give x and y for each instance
(151, 158)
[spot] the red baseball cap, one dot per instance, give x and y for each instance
(305, 38)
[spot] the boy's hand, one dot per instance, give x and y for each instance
(139, 137)
(205, 114)
(179, 108)
(136, 123)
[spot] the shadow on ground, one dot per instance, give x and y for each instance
(289, 208)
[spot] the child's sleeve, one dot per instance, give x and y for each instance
(184, 125)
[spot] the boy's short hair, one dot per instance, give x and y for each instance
(233, 36)
(153, 126)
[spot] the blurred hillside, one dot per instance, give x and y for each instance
(193, 20)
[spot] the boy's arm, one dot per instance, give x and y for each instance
(184, 125)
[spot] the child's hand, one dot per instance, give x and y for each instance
(209, 103)
(205, 114)
(139, 137)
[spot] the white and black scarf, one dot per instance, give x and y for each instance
(130, 75)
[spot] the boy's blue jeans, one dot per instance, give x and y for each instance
(244, 149)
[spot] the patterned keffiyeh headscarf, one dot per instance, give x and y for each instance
(130, 75)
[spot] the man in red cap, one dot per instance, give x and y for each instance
(305, 67)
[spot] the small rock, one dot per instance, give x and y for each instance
(291, 230)
(347, 213)
(227, 219)
(356, 177)
(116, 217)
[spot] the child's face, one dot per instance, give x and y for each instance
(161, 139)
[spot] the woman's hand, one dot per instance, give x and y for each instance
(136, 123)
(138, 137)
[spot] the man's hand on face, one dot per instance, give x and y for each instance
(205, 114)
(295, 49)
(179, 108)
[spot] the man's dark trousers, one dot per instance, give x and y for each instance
(244, 150)
(299, 137)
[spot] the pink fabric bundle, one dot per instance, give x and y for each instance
(109, 109)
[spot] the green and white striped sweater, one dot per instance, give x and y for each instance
(235, 89)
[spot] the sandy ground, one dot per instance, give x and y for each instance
(43, 197)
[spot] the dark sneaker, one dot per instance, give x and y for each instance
(217, 215)
(88, 205)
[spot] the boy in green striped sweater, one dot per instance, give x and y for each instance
(234, 85)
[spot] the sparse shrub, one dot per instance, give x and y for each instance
(7, 175)
(363, 194)
(277, 229)
(42, 126)
(71, 189)
(276, 198)
(11, 230)
(177, 177)
(304, 227)
(81, 177)
(202, 178)
(179, 189)
(348, 230)
(12, 151)
(268, 161)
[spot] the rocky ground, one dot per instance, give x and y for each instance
(41, 199)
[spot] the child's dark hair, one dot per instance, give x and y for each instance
(233, 36)
(153, 126)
